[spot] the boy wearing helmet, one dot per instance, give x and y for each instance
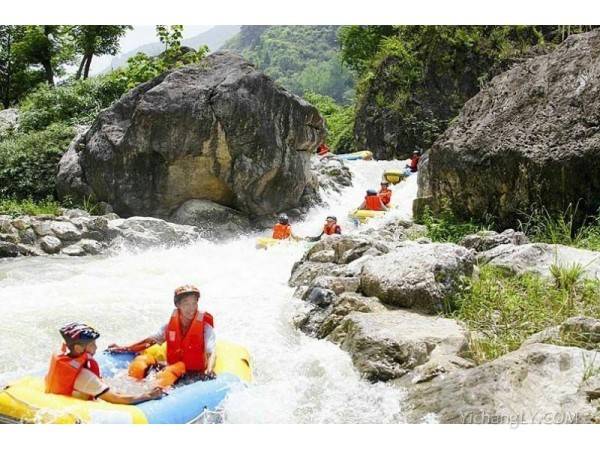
(385, 194)
(373, 202)
(74, 372)
(330, 227)
(283, 229)
(190, 339)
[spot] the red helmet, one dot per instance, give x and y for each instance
(185, 290)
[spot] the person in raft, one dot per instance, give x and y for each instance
(330, 227)
(414, 161)
(190, 339)
(373, 202)
(385, 194)
(283, 229)
(75, 373)
(322, 149)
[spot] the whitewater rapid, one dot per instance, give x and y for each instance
(297, 379)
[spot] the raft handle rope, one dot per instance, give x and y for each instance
(37, 409)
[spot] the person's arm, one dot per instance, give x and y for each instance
(124, 399)
(210, 344)
(136, 347)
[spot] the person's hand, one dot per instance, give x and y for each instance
(209, 375)
(154, 394)
(114, 348)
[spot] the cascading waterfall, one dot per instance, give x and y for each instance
(298, 379)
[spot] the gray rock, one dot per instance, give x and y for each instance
(303, 273)
(13, 238)
(220, 131)
(538, 383)
(73, 250)
(417, 276)
(539, 258)
(90, 246)
(486, 240)
(530, 137)
(144, 232)
(337, 284)
(27, 236)
(213, 220)
(9, 250)
(387, 345)
(21, 222)
(75, 213)
(42, 228)
(6, 225)
(65, 231)
(50, 244)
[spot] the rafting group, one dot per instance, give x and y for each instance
(375, 203)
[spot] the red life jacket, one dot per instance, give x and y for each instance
(189, 348)
(414, 161)
(64, 370)
(385, 196)
(373, 203)
(281, 231)
(333, 229)
(322, 150)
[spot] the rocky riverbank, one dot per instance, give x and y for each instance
(77, 233)
(385, 296)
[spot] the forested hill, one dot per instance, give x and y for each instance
(301, 58)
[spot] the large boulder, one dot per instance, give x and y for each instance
(538, 383)
(419, 276)
(219, 131)
(530, 138)
(213, 220)
(390, 344)
(539, 259)
(486, 240)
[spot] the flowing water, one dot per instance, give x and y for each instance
(297, 379)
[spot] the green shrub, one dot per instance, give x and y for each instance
(338, 119)
(502, 310)
(445, 227)
(28, 162)
(14, 207)
(77, 102)
(565, 228)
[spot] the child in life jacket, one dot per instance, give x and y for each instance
(385, 194)
(283, 229)
(414, 161)
(373, 202)
(74, 372)
(190, 339)
(330, 227)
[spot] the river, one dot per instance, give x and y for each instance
(297, 379)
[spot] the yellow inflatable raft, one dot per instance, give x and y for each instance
(25, 399)
(394, 176)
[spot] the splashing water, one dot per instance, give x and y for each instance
(297, 379)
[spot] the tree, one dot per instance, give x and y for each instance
(8, 33)
(360, 43)
(96, 40)
(48, 46)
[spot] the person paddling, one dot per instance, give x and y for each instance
(414, 161)
(331, 227)
(74, 371)
(385, 194)
(282, 229)
(190, 339)
(373, 202)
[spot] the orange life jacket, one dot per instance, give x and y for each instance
(281, 231)
(333, 229)
(373, 203)
(414, 161)
(189, 348)
(64, 370)
(385, 196)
